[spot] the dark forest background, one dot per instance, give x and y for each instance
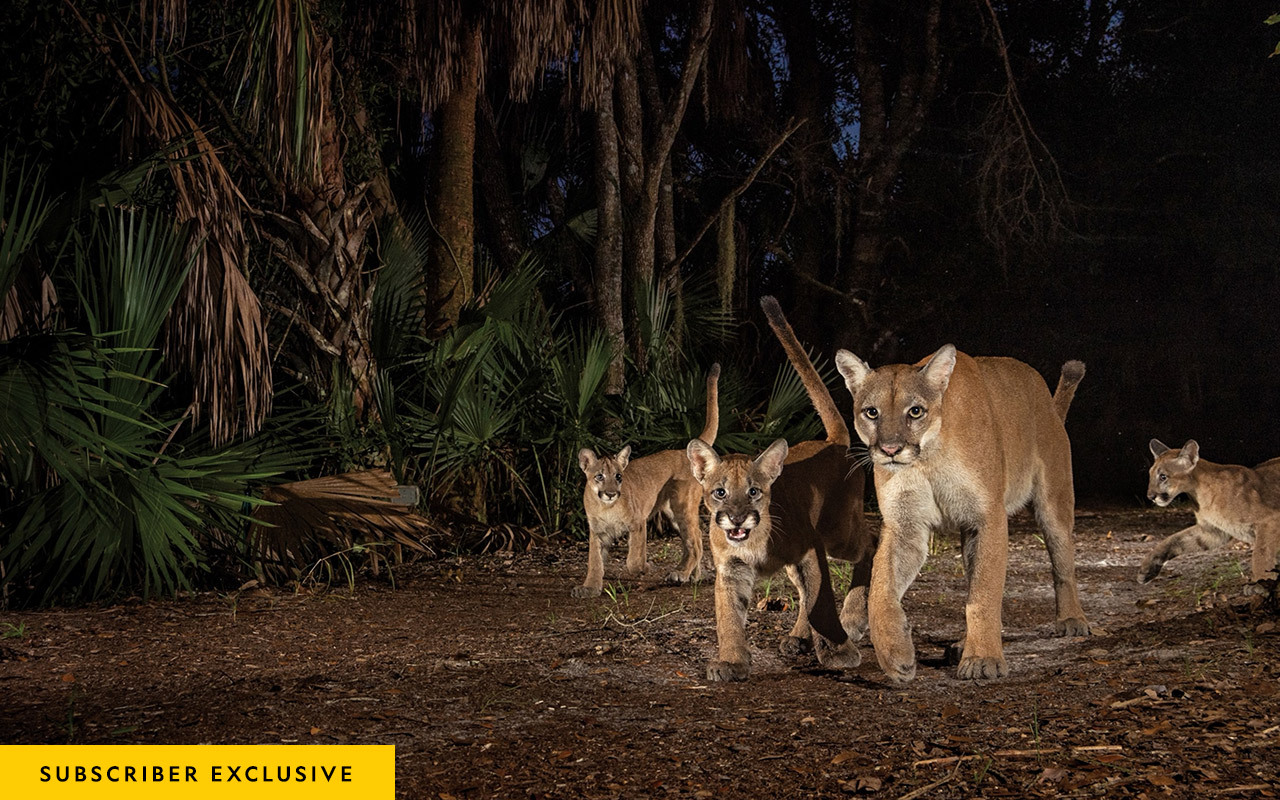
(313, 253)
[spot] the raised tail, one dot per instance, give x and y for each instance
(712, 427)
(1072, 374)
(819, 395)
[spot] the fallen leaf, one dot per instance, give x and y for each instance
(845, 756)
(1051, 775)
(68, 678)
(314, 730)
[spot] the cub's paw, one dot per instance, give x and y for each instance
(1074, 626)
(584, 591)
(631, 571)
(1150, 569)
(856, 628)
(1258, 588)
(678, 578)
(977, 669)
(793, 646)
(727, 671)
(845, 656)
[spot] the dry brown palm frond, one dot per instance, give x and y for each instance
(215, 331)
(163, 20)
(315, 517)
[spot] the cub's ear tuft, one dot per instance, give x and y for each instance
(702, 459)
(586, 459)
(770, 461)
(937, 371)
(1191, 452)
(623, 457)
(854, 370)
(1158, 448)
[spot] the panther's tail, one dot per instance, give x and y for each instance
(1072, 374)
(709, 431)
(819, 395)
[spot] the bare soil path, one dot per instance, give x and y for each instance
(492, 682)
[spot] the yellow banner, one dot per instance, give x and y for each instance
(199, 771)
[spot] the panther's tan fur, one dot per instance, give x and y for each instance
(960, 443)
(789, 508)
(659, 483)
(1232, 502)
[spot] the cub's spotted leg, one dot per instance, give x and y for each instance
(735, 583)
(684, 516)
(830, 640)
(597, 552)
(853, 614)
(1263, 564)
(1195, 539)
(637, 548)
(798, 640)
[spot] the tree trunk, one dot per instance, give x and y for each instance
(726, 259)
(505, 226)
(607, 289)
(453, 209)
(666, 254)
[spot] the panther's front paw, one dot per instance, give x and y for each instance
(727, 671)
(1074, 626)
(975, 668)
(584, 591)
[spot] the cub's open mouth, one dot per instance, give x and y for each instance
(737, 534)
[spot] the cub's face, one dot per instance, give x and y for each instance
(604, 473)
(1173, 472)
(897, 410)
(735, 489)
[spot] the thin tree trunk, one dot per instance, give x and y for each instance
(453, 209)
(726, 259)
(607, 290)
(505, 224)
(665, 253)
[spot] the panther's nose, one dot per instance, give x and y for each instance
(890, 449)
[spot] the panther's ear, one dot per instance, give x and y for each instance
(1191, 452)
(702, 459)
(623, 457)
(937, 371)
(1158, 448)
(770, 461)
(854, 370)
(587, 460)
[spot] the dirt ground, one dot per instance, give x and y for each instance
(492, 682)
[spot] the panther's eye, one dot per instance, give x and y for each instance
(718, 493)
(915, 412)
(1163, 478)
(600, 477)
(618, 477)
(753, 492)
(871, 412)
